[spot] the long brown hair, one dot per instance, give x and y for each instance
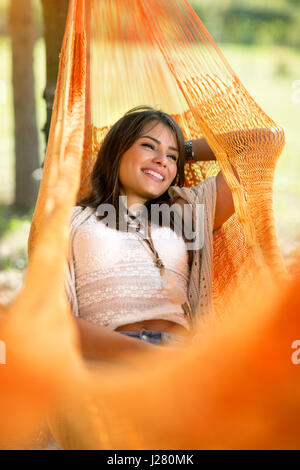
(122, 135)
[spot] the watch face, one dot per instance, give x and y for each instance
(189, 154)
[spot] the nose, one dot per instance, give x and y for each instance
(161, 158)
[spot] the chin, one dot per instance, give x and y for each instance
(156, 196)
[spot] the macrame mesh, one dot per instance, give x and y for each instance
(175, 64)
(118, 54)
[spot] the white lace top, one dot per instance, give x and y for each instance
(200, 279)
(116, 279)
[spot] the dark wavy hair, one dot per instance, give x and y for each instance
(122, 135)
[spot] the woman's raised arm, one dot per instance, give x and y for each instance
(224, 202)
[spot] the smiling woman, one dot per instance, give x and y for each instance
(142, 281)
(149, 166)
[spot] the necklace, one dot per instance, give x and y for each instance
(168, 278)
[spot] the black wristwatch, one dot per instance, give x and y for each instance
(189, 154)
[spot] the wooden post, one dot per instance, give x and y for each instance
(26, 134)
(55, 15)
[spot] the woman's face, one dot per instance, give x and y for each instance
(149, 166)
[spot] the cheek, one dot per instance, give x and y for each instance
(127, 168)
(129, 161)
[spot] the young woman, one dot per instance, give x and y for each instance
(125, 286)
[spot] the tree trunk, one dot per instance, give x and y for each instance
(55, 15)
(26, 134)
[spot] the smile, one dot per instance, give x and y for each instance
(153, 175)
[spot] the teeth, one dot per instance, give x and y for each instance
(157, 175)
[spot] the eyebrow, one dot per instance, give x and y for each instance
(158, 142)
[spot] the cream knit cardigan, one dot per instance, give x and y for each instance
(200, 282)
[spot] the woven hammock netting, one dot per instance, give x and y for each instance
(237, 387)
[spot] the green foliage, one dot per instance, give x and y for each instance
(250, 25)
(13, 218)
(251, 21)
(14, 229)
(18, 260)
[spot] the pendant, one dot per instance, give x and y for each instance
(160, 264)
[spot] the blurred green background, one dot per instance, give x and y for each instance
(261, 41)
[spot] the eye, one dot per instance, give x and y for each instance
(173, 157)
(148, 145)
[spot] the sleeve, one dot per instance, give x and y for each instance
(203, 193)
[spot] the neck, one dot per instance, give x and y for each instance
(132, 201)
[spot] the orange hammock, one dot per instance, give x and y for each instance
(109, 64)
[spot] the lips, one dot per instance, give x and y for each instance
(155, 174)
